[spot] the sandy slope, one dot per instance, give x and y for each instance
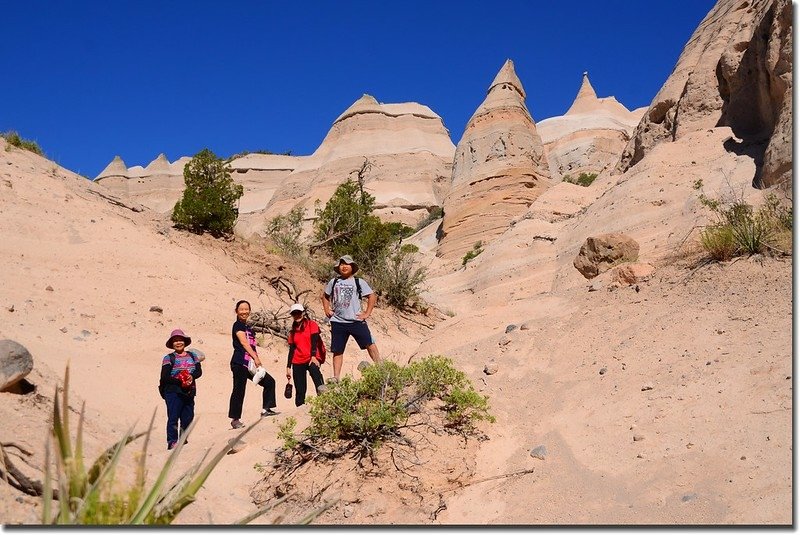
(714, 345)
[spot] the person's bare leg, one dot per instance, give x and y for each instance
(338, 360)
(372, 349)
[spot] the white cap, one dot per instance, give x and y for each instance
(297, 307)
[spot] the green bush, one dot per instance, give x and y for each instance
(741, 230)
(346, 225)
(397, 277)
(719, 242)
(363, 413)
(210, 200)
(13, 138)
(477, 248)
(584, 179)
(285, 231)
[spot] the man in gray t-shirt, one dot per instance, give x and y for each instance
(341, 301)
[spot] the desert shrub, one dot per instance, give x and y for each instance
(13, 138)
(477, 248)
(361, 414)
(465, 406)
(397, 278)
(285, 231)
(211, 198)
(93, 496)
(346, 225)
(286, 433)
(740, 230)
(436, 213)
(584, 179)
(719, 242)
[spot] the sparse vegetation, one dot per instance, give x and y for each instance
(257, 151)
(436, 213)
(584, 179)
(399, 279)
(285, 231)
(13, 138)
(741, 230)
(477, 248)
(210, 200)
(357, 416)
(95, 496)
(346, 225)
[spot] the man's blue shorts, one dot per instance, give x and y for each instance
(340, 332)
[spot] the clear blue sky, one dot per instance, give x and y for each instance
(88, 80)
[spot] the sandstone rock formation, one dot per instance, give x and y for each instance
(591, 136)
(408, 148)
(601, 253)
(15, 363)
(499, 168)
(409, 151)
(158, 186)
(735, 71)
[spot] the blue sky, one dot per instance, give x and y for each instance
(89, 80)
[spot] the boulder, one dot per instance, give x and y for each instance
(600, 253)
(633, 273)
(15, 363)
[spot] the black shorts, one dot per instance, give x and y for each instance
(340, 332)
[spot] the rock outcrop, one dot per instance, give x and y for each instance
(410, 158)
(735, 71)
(15, 363)
(600, 253)
(591, 136)
(498, 171)
(158, 186)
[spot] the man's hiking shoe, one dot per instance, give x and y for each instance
(268, 412)
(237, 424)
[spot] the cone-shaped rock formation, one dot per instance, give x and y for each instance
(499, 168)
(116, 168)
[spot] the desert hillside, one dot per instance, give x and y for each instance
(658, 392)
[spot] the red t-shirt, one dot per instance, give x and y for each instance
(301, 338)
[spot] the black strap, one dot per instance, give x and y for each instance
(358, 286)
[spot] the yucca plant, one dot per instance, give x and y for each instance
(93, 497)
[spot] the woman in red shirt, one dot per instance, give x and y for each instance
(304, 338)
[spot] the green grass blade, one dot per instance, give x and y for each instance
(252, 516)
(146, 507)
(107, 468)
(47, 491)
(187, 494)
(104, 458)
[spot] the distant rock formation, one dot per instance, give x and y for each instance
(591, 136)
(410, 155)
(736, 70)
(499, 168)
(158, 186)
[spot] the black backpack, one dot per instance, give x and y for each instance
(358, 286)
(161, 384)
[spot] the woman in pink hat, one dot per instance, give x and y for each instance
(179, 370)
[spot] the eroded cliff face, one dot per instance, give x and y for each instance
(498, 171)
(736, 70)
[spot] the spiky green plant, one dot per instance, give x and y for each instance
(94, 497)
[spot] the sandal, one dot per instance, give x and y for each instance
(237, 424)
